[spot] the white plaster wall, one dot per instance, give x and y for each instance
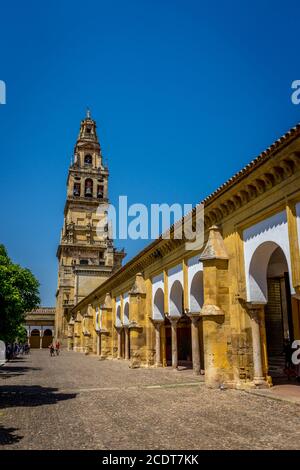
(125, 316)
(157, 283)
(118, 312)
(194, 266)
(174, 274)
(273, 232)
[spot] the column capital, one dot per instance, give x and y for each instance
(156, 321)
(195, 317)
(173, 320)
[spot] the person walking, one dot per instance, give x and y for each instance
(51, 347)
(57, 348)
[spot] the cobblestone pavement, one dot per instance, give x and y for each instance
(78, 402)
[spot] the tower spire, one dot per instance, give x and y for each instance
(88, 113)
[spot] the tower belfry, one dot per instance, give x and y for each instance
(86, 258)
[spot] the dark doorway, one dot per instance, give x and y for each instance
(168, 341)
(278, 314)
(184, 341)
(122, 343)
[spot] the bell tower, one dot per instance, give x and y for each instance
(86, 259)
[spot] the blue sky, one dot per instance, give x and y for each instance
(185, 93)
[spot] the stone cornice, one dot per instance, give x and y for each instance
(258, 183)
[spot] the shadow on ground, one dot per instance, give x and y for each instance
(31, 395)
(8, 436)
(15, 371)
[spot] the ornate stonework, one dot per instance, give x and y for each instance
(86, 258)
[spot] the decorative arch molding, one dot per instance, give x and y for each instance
(260, 241)
(258, 184)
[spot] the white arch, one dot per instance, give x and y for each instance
(118, 321)
(196, 292)
(269, 233)
(158, 305)
(175, 278)
(176, 299)
(258, 288)
(126, 314)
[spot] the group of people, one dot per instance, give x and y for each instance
(54, 348)
(15, 349)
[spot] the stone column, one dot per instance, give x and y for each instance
(71, 335)
(98, 343)
(174, 342)
(195, 343)
(41, 339)
(254, 312)
(107, 327)
(157, 325)
(138, 322)
(119, 344)
(216, 282)
(127, 353)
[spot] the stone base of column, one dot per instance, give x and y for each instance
(260, 382)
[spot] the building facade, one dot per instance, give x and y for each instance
(86, 255)
(39, 324)
(228, 308)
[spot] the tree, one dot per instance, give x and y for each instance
(21, 336)
(19, 293)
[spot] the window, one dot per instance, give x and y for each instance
(88, 191)
(88, 130)
(88, 159)
(76, 190)
(99, 191)
(84, 261)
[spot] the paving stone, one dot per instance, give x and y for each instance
(78, 402)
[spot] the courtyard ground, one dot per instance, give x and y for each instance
(79, 402)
